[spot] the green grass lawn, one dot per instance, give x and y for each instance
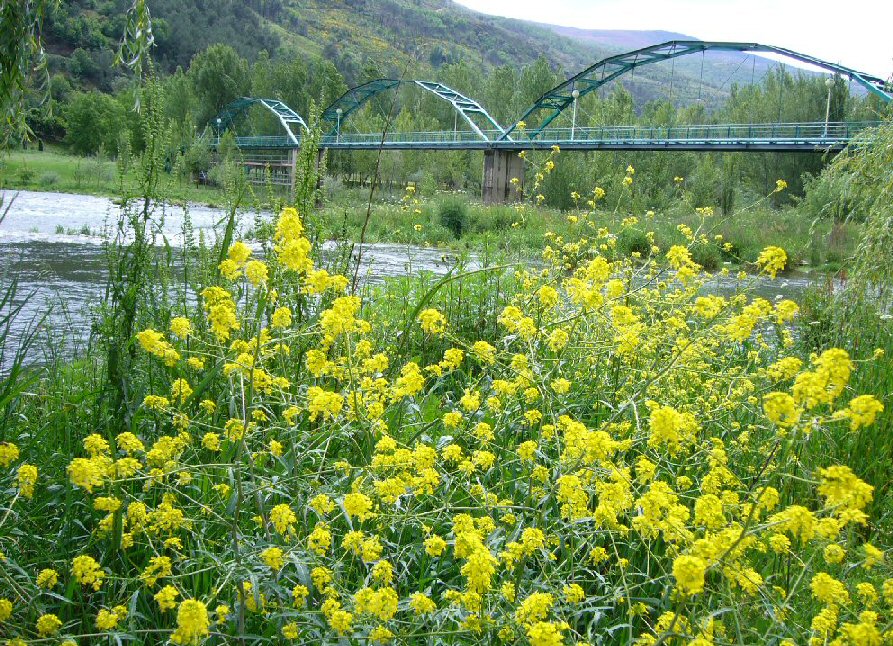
(54, 170)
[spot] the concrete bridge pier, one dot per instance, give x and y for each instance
(292, 169)
(500, 168)
(320, 173)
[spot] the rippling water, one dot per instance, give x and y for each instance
(51, 243)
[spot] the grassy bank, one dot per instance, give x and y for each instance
(54, 170)
(427, 221)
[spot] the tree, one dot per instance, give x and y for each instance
(499, 95)
(536, 80)
(22, 55)
(93, 120)
(20, 52)
(324, 84)
(180, 106)
(219, 75)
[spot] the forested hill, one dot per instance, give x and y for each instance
(363, 38)
(354, 34)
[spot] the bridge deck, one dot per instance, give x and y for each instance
(792, 137)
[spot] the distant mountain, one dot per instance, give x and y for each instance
(720, 69)
(617, 39)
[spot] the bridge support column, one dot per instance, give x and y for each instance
(500, 168)
(292, 169)
(320, 173)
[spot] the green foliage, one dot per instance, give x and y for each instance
(197, 158)
(857, 316)
(219, 75)
(631, 241)
(48, 179)
(707, 255)
(132, 294)
(26, 174)
(850, 320)
(20, 55)
(453, 216)
(183, 29)
(867, 175)
(826, 197)
(94, 120)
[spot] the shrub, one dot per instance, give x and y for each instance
(93, 122)
(48, 179)
(453, 215)
(631, 241)
(707, 255)
(79, 174)
(26, 174)
(494, 218)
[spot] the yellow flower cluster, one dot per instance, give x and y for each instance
(772, 260)
(618, 441)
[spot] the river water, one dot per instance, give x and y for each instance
(51, 244)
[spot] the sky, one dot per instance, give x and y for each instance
(853, 33)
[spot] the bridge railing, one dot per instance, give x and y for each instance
(815, 132)
(819, 131)
(433, 137)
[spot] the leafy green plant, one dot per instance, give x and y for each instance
(48, 179)
(26, 174)
(453, 216)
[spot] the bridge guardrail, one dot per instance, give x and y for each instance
(815, 132)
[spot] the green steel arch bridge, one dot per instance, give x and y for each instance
(534, 130)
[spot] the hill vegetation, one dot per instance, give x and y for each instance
(361, 38)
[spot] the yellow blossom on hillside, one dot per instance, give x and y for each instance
(781, 409)
(181, 326)
(829, 590)
(281, 318)
(26, 480)
(48, 625)
(47, 579)
(862, 411)
(166, 597)
(86, 571)
(274, 557)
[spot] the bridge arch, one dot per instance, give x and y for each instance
(286, 116)
(561, 96)
(356, 97)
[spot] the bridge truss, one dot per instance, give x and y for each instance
(287, 117)
(467, 108)
(556, 100)
(538, 134)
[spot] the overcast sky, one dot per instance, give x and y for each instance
(854, 33)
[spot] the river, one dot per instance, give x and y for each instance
(51, 244)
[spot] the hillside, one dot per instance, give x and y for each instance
(355, 34)
(368, 38)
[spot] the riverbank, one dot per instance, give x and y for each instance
(458, 221)
(54, 170)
